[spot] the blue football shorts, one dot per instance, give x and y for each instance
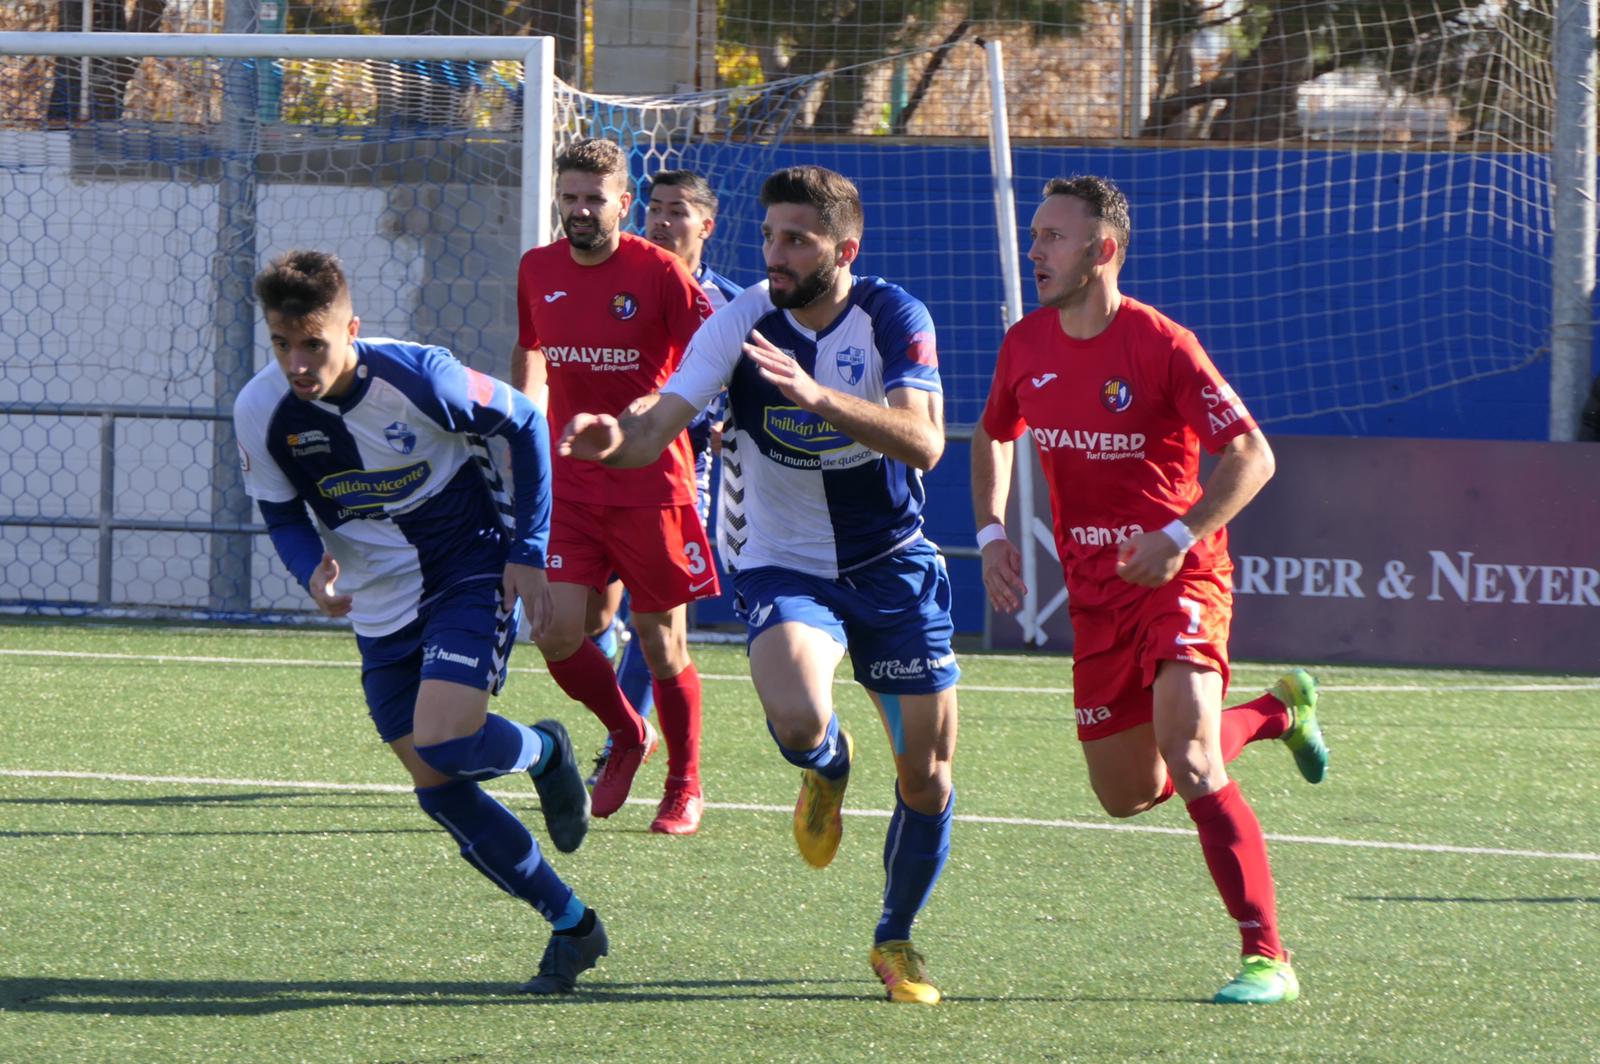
(463, 636)
(892, 615)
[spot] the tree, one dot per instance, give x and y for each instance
(108, 77)
(1443, 46)
(838, 36)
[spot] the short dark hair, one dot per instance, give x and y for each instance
(835, 197)
(1105, 201)
(302, 283)
(695, 188)
(593, 156)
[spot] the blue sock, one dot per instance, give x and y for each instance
(495, 843)
(499, 747)
(570, 916)
(633, 675)
(547, 750)
(830, 760)
(914, 852)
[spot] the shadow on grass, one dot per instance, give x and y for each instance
(265, 832)
(1474, 901)
(172, 997)
(165, 800)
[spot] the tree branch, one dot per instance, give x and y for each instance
(903, 119)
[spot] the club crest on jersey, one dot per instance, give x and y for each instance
(400, 437)
(1115, 395)
(852, 362)
(624, 306)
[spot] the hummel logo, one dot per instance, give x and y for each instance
(553, 296)
(1038, 382)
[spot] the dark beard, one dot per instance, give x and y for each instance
(808, 290)
(586, 243)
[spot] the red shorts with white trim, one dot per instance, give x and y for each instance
(660, 552)
(1116, 652)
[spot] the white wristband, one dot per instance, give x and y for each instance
(991, 533)
(1180, 535)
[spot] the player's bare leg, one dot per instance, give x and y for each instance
(1126, 771)
(601, 608)
(664, 639)
(922, 735)
(792, 666)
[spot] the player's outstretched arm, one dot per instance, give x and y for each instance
(991, 486)
(910, 429)
(634, 440)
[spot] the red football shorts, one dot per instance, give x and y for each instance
(660, 552)
(1116, 651)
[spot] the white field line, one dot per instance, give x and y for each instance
(308, 663)
(747, 807)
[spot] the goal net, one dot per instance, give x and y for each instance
(130, 243)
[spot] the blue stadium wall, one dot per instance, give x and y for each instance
(1436, 264)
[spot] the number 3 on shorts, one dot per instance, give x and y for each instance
(697, 561)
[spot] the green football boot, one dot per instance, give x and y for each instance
(1261, 981)
(1298, 691)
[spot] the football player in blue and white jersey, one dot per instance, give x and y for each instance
(367, 459)
(836, 410)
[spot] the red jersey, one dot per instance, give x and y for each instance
(610, 334)
(1118, 421)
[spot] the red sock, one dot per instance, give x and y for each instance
(1236, 853)
(587, 677)
(1167, 791)
(1259, 718)
(678, 710)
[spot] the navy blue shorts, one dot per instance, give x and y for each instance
(463, 636)
(892, 615)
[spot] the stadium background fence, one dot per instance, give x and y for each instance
(1386, 272)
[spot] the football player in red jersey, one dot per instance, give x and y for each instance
(604, 317)
(1119, 399)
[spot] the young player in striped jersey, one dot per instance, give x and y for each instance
(368, 462)
(836, 409)
(1120, 399)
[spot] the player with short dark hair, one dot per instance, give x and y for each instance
(604, 317)
(1119, 399)
(837, 409)
(381, 443)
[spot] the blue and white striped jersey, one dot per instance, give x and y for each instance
(719, 290)
(796, 492)
(404, 493)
